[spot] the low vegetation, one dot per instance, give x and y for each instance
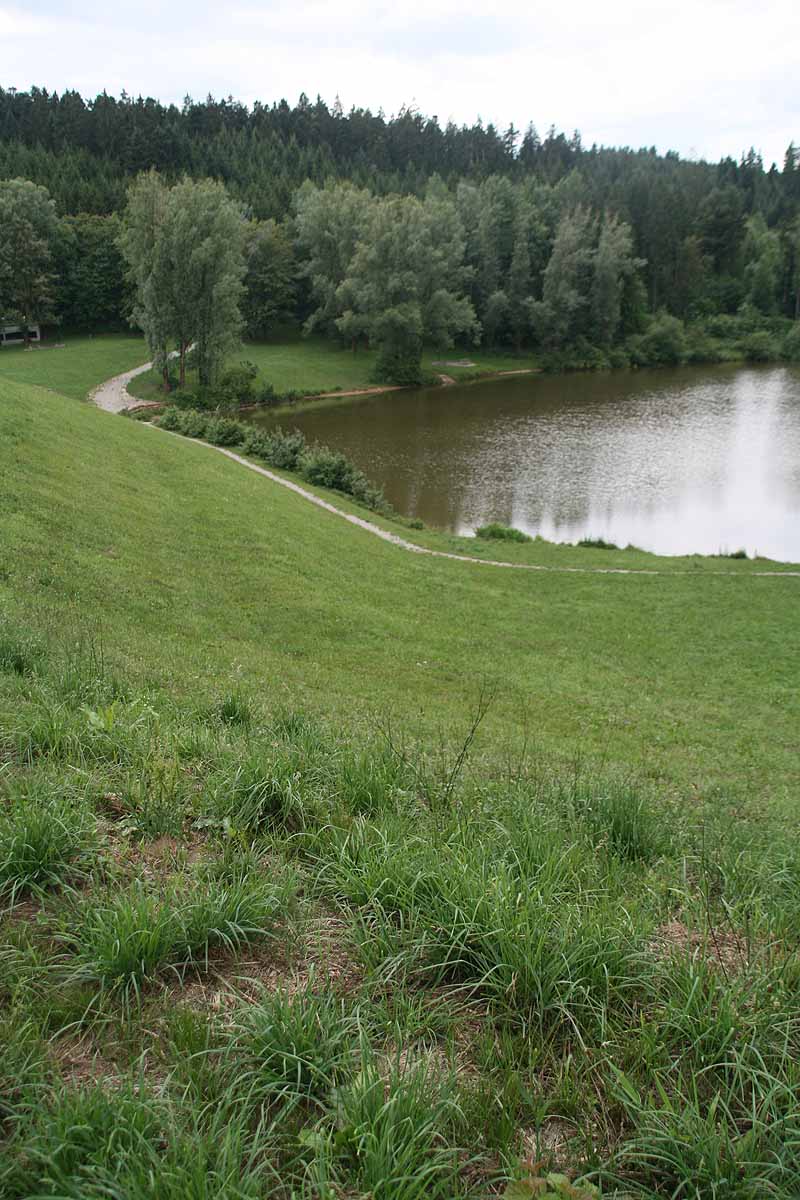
(496, 532)
(372, 967)
(288, 451)
(305, 894)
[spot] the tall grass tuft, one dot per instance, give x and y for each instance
(390, 1139)
(125, 942)
(20, 653)
(45, 838)
(234, 709)
(95, 1143)
(292, 1047)
(259, 791)
(623, 818)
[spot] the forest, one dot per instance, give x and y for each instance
(398, 232)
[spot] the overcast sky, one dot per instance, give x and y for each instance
(704, 77)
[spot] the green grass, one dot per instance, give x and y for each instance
(316, 364)
(75, 367)
(359, 873)
(687, 677)
(44, 839)
(502, 959)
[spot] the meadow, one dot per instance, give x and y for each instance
(72, 366)
(316, 364)
(329, 870)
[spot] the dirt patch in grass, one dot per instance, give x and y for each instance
(722, 948)
(81, 1061)
(322, 959)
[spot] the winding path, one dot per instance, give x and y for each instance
(113, 396)
(396, 540)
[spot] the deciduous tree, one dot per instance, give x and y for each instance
(28, 232)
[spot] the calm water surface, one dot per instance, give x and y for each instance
(680, 461)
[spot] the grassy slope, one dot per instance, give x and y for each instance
(184, 558)
(304, 364)
(543, 950)
(76, 367)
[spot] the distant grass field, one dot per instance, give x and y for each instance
(274, 924)
(317, 364)
(75, 367)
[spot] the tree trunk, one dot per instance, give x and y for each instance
(165, 376)
(182, 375)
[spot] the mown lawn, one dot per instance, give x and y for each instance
(75, 367)
(273, 926)
(317, 364)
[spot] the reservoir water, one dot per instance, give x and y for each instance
(687, 460)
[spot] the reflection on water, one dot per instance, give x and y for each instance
(690, 460)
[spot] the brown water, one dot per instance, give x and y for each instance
(676, 461)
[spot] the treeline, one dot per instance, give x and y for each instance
(86, 152)
(398, 231)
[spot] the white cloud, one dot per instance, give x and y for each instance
(20, 24)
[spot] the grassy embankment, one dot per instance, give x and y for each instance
(263, 937)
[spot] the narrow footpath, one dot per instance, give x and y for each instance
(396, 540)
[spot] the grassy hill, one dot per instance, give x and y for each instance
(268, 933)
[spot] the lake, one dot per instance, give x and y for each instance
(678, 461)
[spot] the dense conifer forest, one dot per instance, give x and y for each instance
(590, 256)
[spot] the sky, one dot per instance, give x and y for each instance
(707, 78)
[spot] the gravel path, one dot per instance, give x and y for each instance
(396, 540)
(113, 395)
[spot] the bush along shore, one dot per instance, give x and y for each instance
(285, 451)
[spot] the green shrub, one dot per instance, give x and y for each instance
(501, 533)
(170, 418)
(255, 443)
(791, 344)
(222, 431)
(700, 348)
(328, 468)
(597, 543)
(193, 423)
(238, 383)
(759, 346)
(284, 450)
(664, 343)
